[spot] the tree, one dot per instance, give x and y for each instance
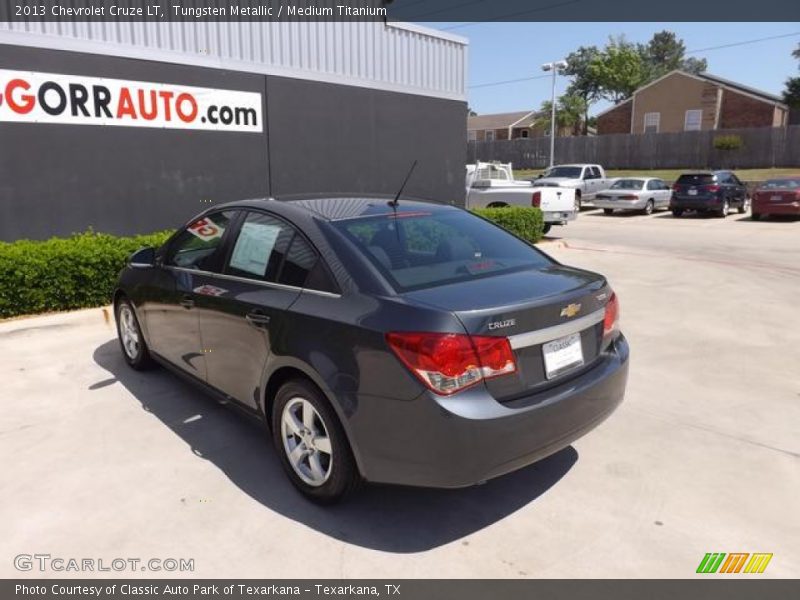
(470, 112)
(570, 113)
(583, 85)
(665, 52)
(619, 70)
(791, 93)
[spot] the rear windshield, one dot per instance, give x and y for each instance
(628, 184)
(421, 250)
(696, 179)
(791, 184)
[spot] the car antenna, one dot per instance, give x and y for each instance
(393, 203)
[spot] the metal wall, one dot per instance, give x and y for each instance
(392, 56)
(319, 138)
(761, 147)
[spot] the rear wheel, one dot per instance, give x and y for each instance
(497, 205)
(745, 206)
(546, 228)
(131, 340)
(649, 207)
(311, 443)
(755, 216)
(578, 203)
(608, 211)
(724, 209)
(677, 212)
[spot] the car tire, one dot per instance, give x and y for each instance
(131, 340)
(608, 211)
(546, 228)
(578, 202)
(755, 216)
(301, 418)
(744, 207)
(677, 212)
(724, 209)
(649, 207)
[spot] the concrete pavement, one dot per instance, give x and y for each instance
(703, 456)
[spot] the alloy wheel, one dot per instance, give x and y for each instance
(306, 441)
(129, 332)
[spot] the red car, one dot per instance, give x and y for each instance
(777, 197)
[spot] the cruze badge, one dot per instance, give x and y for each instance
(502, 324)
(570, 310)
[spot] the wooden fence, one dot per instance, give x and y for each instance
(761, 148)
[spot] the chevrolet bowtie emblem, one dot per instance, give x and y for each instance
(570, 310)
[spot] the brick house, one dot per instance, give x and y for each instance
(502, 126)
(681, 101)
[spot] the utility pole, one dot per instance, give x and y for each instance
(554, 67)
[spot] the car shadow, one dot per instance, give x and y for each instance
(388, 518)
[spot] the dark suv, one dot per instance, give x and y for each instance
(709, 191)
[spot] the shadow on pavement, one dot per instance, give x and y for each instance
(387, 518)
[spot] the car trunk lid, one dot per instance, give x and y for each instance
(531, 308)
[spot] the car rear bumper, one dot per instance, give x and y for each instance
(560, 216)
(694, 203)
(769, 208)
(458, 441)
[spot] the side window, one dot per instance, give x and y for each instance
(300, 259)
(654, 184)
(260, 247)
(196, 246)
(726, 178)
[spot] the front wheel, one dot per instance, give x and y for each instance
(311, 443)
(131, 340)
(755, 216)
(677, 212)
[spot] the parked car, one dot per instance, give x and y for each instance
(642, 194)
(407, 343)
(493, 185)
(709, 191)
(777, 197)
(586, 180)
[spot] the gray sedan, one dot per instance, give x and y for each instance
(640, 194)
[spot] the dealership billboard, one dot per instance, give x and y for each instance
(32, 97)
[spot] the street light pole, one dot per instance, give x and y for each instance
(554, 67)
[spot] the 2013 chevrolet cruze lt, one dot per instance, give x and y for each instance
(408, 343)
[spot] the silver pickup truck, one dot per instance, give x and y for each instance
(587, 180)
(493, 185)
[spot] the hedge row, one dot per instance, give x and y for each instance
(64, 273)
(523, 222)
(81, 271)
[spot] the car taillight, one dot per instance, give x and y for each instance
(712, 188)
(629, 197)
(450, 362)
(611, 318)
(536, 199)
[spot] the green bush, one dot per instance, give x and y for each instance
(728, 142)
(522, 221)
(64, 273)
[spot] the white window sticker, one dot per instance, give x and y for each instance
(252, 250)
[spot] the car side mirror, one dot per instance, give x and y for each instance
(146, 257)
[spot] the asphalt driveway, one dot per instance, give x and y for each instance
(704, 455)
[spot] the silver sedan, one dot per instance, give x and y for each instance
(644, 194)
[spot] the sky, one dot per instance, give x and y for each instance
(503, 51)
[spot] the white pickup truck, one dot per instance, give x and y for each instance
(492, 185)
(586, 180)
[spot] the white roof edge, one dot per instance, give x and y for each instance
(523, 118)
(429, 31)
(54, 42)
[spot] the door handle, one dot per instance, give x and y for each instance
(187, 302)
(256, 318)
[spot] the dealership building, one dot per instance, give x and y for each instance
(133, 127)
